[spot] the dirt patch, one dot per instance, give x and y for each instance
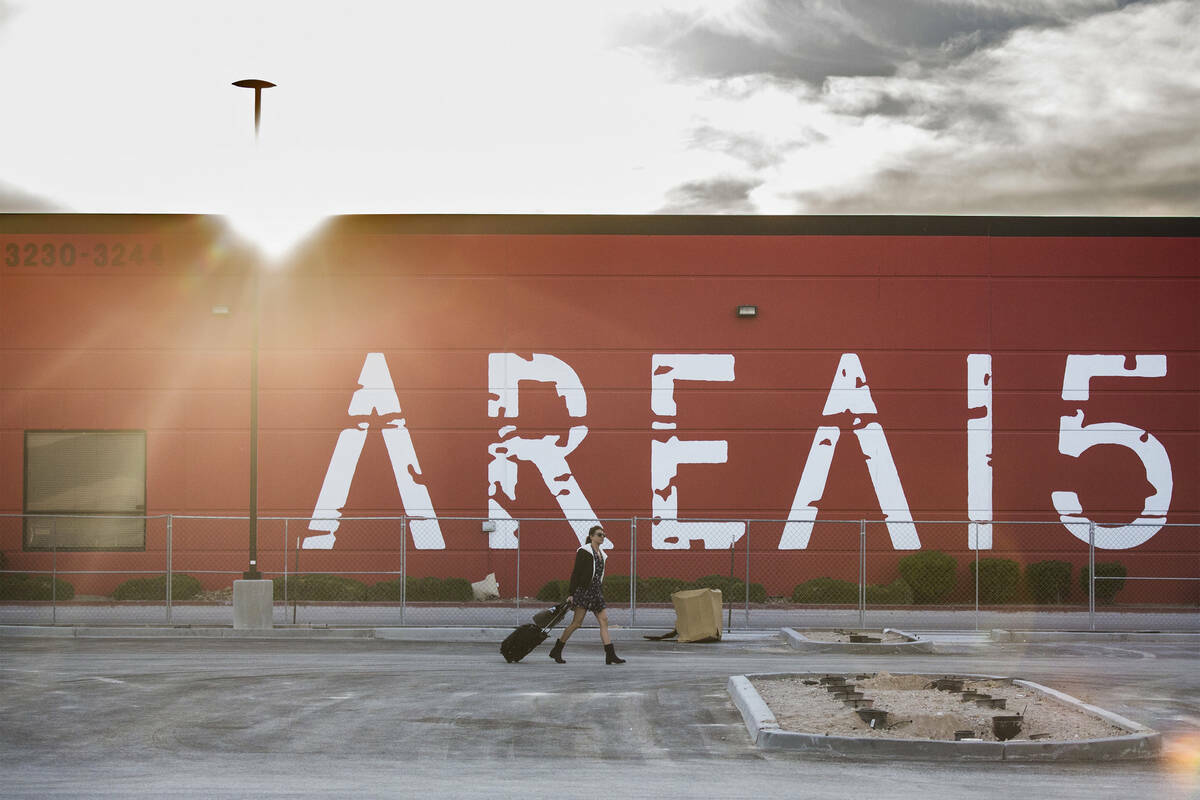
(916, 710)
(843, 635)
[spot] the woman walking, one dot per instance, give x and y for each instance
(585, 593)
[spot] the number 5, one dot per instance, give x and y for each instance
(1074, 438)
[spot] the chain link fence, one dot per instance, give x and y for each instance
(803, 574)
(50, 575)
(392, 571)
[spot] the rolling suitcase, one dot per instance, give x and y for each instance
(521, 641)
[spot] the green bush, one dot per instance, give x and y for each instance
(896, 593)
(421, 589)
(998, 579)
(659, 590)
(758, 593)
(1048, 581)
(930, 574)
(553, 591)
(457, 590)
(733, 590)
(1106, 590)
(319, 586)
(825, 590)
(183, 587)
(34, 587)
(615, 588)
(384, 591)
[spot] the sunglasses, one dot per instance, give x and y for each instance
(598, 533)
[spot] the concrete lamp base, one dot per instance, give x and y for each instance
(252, 604)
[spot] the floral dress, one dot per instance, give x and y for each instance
(592, 597)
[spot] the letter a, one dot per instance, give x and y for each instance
(850, 393)
(376, 393)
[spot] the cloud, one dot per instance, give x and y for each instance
(715, 196)
(1096, 115)
(818, 39)
(15, 201)
(12, 199)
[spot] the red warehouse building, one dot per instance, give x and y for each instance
(760, 383)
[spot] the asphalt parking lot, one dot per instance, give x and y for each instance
(324, 717)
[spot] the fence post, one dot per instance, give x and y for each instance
(403, 565)
(633, 572)
(975, 525)
(296, 598)
(747, 574)
(517, 592)
(169, 570)
(54, 572)
(729, 615)
(1092, 574)
(862, 573)
(286, 534)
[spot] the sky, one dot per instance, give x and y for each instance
(1027, 107)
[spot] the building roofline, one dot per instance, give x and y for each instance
(640, 225)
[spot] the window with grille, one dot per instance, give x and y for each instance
(85, 490)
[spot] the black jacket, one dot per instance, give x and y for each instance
(585, 569)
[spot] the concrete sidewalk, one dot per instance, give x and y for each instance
(653, 618)
(944, 641)
(405, 634)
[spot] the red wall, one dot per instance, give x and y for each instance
(137, 346)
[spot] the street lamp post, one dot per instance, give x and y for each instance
(252, 572)
(257, 85)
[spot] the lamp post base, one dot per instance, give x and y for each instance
(252, 604)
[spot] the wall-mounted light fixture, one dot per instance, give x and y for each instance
(220, 311)
(747, 311)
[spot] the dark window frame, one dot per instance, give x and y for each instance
(30, 516)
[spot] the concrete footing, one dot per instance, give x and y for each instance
(252, 604)
(912, 644)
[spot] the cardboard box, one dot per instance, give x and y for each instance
(698, 615)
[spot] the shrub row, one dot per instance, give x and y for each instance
(183, 587)
(928, 577)
(34, 587)
(423, 589)
(659, 590)
(1050, 581)
(337, 588)
(834, 591)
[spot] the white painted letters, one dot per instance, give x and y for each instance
(979, 451)
(667, 532)
(376, 394)
(505, 372)
(849, 393)
(1074, 438)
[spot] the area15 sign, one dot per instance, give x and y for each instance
(849, 393)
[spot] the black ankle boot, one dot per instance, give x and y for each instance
(610, 655)
(556, 651)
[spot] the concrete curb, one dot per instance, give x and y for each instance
(1149, 637)
(915, 644)
(181, 632)
(755, 713)
(1142, 742)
